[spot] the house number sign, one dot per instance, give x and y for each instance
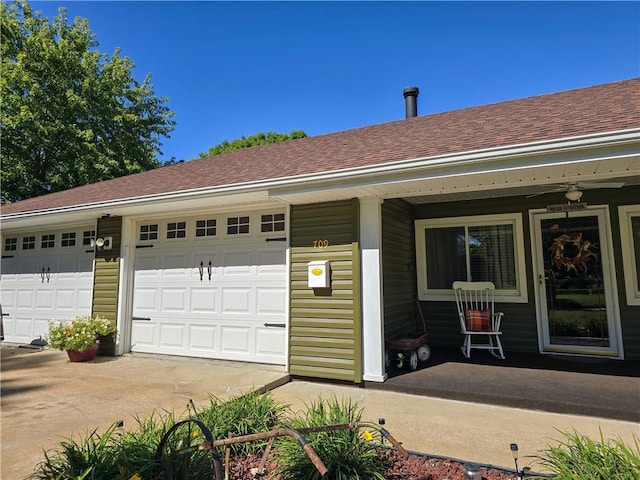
(321, 244)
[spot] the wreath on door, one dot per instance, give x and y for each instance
(572, 252)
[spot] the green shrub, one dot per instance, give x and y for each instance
(89, 459)
(346, 453)
(242, 415)
(117, 455)
(581, 458)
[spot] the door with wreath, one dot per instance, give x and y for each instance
(577, 308)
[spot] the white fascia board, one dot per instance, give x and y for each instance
(277, 187)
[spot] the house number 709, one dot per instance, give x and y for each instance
(321, 244)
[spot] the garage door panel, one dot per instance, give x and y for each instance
(203, 338)
(65, 299)
(236, 300)
(25, 299)
(145, 300)
(237, 263)
(45, 300)
(70, 266)
(144, 334)
(174, 300)
(172, 335)
(271, 262)
(269, 342)
(235, 339)
(177, 266)
(147, 266)
(10, 267)
(204, 300)
(23, 327)
(271, 301)
(8, 298)
(84, 299)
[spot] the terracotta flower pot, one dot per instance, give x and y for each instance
(85, 356)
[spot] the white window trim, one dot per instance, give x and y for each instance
(519, 295)
(628, 254)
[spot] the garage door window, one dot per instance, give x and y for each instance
(176, 230)
(48, 241)
(29, 243)
(68, 239)
(149, 232)
(87, 236)
(10, 244)
(272, 223)
(206, 228)
(237, 225)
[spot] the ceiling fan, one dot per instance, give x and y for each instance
(573, 190)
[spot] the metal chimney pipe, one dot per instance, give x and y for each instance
(411, 101)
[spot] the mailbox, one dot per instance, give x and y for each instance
(319, 274)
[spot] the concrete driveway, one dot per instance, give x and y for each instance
(46, 398)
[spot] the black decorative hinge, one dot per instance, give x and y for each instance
(277, 239)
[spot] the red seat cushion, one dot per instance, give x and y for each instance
(478, 320)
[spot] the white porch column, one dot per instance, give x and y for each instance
(371, 278)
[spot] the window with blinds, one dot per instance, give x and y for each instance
(475, 249)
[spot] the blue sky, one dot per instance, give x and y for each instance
(238, 68)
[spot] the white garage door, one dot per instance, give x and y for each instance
(212, 286)
(45, 275)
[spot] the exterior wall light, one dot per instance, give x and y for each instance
(102, 243)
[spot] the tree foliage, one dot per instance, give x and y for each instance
(252, 141)
(70, 114)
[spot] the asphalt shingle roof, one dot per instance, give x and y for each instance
(602, 108)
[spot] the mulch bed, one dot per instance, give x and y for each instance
(416, 467)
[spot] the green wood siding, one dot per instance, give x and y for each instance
(398, 263)
(325, 326)
(106, 277)
(519, 324)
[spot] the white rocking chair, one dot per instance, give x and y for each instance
(478, 318)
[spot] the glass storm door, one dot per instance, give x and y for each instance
(577, 311)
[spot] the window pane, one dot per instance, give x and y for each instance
(446, 260)
(492, 255)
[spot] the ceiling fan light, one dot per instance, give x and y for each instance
(573, 195)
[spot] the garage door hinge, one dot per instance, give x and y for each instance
(7, 256)
(277, 239)
(279, 325)
(141, 319)
(144, 246)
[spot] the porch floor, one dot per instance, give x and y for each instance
(555, 383)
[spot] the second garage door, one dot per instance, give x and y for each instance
(46, 275)
(212, 286)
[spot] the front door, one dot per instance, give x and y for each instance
(576, 302)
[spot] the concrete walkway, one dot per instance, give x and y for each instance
(45, 398)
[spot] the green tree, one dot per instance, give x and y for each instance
(252, 141)
(70, 114)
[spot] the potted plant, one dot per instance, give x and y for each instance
(79, 337)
